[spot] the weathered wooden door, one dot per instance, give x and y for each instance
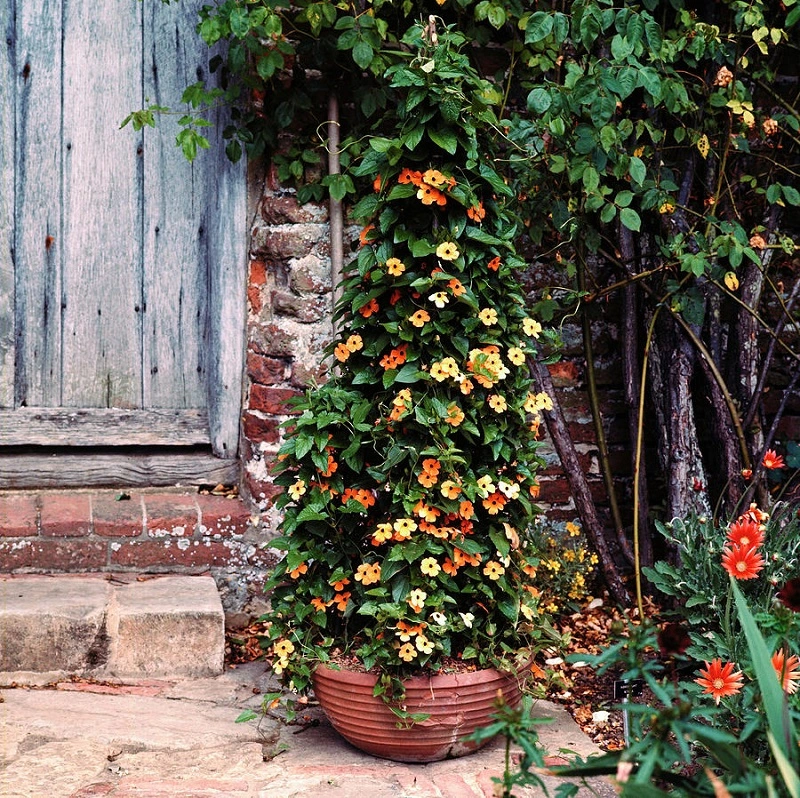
(121, 265)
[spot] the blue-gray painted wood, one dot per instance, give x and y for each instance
(7, 123)
(122, 267)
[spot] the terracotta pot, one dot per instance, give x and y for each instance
(457, 704)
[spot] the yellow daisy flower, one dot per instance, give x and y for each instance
(447, 251)
(488, 316)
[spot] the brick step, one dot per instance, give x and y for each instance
(100, 627)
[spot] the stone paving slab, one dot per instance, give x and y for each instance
(160, 740)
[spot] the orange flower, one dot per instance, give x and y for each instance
(720, 680)
(368, 573)
(476, 213)
(319, 605)
(788, 670)
(456, 287)
(376, 183)
(450, 490)
(466, 510)
(332, 466)
(340, 600)
(449, 567)
(409, 176)
(340, 585)
(431, 464)
(455, 415)
(341, 352)
(301, 569)
(427, 479)
(742, 563)
(429, 195)
(494, 502)
(773, 460)
(466, 386)
(364, 236)
(419, 318)
(382, 533)
(395, 267)
(494, 264)
(433, 177)
(745, 533)
(371, 307)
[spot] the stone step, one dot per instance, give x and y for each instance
(91, 626)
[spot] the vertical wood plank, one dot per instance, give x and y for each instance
(227, 254)
(176, 201)
(38, 235)
(7, 171)
(102, 226)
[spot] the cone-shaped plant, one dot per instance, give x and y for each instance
(410, 474)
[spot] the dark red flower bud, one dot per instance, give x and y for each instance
(789, 595)
(673, 639)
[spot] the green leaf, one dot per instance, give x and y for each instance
(779, 721)
(363, 53)
(539, 100)
(637, 170)
(540, 26)
(630, 219)
(445, 139)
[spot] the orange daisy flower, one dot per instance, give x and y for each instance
(364, 236)
(419, 318)
(319, 605)
(341, 600)
(427, 479)
(719, 680)
(341, 353)
(773, 460)
(429, 195)
(371, 307)
(410, 176)
(449, 567)
(301, 569)
(476, 213)
(494, 503)
(466, 510)
(788, 670)
(742, 563)
(745, 532)
(456, 287)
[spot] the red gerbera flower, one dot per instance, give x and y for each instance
(742, 563)
(772, 460)
(788, 670)
(745, 532)
(720, 680)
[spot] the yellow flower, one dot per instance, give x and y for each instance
(498, 403)
(732, 281)
(440, 298)
(437, 372)
(509, 489)
(282, 648)
(395, 267)
(531, 327)
(298, 489)
(416, 599)
(493, 570)
(488, 316)
(403, 527)
(382, 533)
(407, 652)
(516, 355)
(355, 342)
(447, 251)
(423, 644)
(485, 485)
(543, 401)
(430, 566)
(573, 529)
(419, 318)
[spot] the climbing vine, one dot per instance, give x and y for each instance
(653, 152)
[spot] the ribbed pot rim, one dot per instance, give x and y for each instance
(440, 680)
